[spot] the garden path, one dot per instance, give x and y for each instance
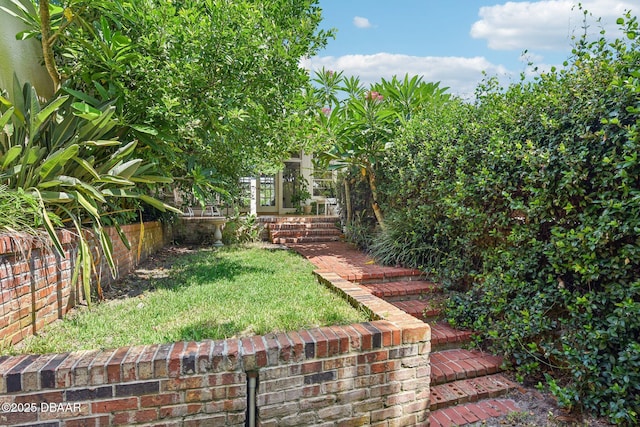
(466, 386)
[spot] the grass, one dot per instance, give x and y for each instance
(210, 294)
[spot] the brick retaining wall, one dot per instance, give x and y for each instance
(35, 283)
(374, 373)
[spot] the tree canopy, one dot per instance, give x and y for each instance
(208, 86)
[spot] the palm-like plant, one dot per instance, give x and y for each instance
(60, 152)
(360, 128)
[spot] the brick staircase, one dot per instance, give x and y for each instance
(303, 229)
(466, 385)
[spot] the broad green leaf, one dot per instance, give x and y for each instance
(49, 184)
(107, 248)
(91, 191)
(123, 237)
(33, 102)
(45, 113)
(4, 119)
(119, 192)
(152, 179)
(82, 96)
(87, 167)
(144, 129)
(88, 206)
(157, 204)
(57, 197)
(34, 155)
(48, 225)
(103, 143)
(85, 260)
(116, 180)
(126, 170)
(58, 159)
(11, 155)
(86, 111)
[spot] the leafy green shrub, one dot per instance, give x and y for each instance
(60, 153)
(243, 229)
(359, 231)
(529, 202)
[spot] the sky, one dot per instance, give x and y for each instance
(455, 41)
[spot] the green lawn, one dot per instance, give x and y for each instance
(231, 292)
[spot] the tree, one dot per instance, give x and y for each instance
(360, 128)
(18, 55)
(204, 84)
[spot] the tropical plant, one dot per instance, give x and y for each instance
(360, 129)
(56, 153)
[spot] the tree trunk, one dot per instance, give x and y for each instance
(47, 48)
(347, 198)
(22, 58)
(374, 192)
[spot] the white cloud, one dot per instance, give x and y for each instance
(361, 22)
(460, 74)
(543, 25)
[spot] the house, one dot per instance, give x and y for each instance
(288, 190)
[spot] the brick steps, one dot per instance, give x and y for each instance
(423, 309)
(459, 364)
(291, 230)
(444, 337)
(277, 226)
(469, 390)
(312, 232)
(465, 384)
(469, 413)
(304, 239)
(404, 289)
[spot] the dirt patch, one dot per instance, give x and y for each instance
(155, 267)
(539, 409)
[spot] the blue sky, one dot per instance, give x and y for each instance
(454, 41)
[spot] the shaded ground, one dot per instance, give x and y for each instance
(539, 410)
(156, 267)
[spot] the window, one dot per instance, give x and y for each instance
(268, 190)
(244, 197)
(324, 184)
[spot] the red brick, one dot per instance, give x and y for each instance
(232, 353)
(285, 347)
(145, 364)
(321, 342)
(217, 355)
(88, 422)
(145, 416)
(113, 366)
(439, 419)
(203, 358)
(366, 337)
(189, 362)
(115, 405)
(343, 336)
(159, 400)
(297, 346)
(174, 361)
